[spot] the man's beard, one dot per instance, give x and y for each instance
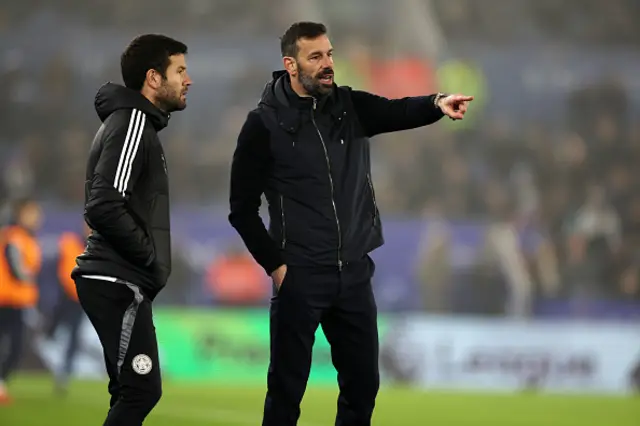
(312, 85)
(169, 100)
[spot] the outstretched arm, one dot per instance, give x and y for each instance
(378, 114)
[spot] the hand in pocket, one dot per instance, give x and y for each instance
(279, 275)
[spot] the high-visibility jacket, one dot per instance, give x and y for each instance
(70, 246)
(19, 291)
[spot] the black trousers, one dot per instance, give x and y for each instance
(12, 330)
(342, 302)
(122, 318)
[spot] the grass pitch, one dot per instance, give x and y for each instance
(212, 405)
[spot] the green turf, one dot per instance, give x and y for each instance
(198, 405)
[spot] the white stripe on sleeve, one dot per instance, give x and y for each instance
(135, 151)
(129, 150)
(121, 162)
(100, 277)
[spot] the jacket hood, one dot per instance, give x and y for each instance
(112, 97)
(275, 93)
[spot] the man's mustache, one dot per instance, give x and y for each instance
(326, 72)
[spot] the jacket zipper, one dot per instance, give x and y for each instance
(373, 196)
(284, 234)
(333, 201)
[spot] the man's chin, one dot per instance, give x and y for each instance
(178, 106)
(325, 89)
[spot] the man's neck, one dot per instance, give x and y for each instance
(150, 97)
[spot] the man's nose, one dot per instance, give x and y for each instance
(327, 62)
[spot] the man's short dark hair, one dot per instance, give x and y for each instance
(289, 41)
(145, 52)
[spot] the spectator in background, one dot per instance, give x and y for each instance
(509, 287)
(598, 221)
(597, 227)
(587, 105)
(434, 269)
(18, 176)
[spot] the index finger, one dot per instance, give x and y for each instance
(463, 98)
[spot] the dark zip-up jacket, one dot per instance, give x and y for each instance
(127, 193)
(311, 160)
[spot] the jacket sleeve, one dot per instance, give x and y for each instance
(249, 170)
(118, 169)
(381, 115)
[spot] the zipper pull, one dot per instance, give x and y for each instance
(339, 265)
(314, 103)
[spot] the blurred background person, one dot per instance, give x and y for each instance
(68, 313)
(234, 278)
(20, 261)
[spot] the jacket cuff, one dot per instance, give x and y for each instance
(435, 98)
(272, 262)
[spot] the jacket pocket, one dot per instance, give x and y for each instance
(373, 199)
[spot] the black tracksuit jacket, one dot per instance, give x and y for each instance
(127, 193)
(311, 160)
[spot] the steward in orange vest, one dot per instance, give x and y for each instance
(70, 246)
(68, 312)
(20, 260)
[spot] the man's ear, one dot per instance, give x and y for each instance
(154, 79)
(290, 65)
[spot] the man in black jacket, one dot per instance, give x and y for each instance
(127, 259)
(306, 147)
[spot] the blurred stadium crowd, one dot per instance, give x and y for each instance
(551, 145)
